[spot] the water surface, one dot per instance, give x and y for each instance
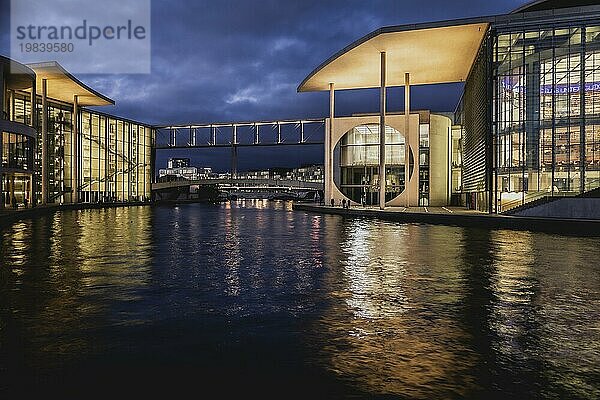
(251, 298)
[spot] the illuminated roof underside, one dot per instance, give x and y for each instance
(61, 85)
(431, 55)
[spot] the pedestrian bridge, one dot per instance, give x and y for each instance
(242, 184)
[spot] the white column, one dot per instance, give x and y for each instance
(44, 141)
(75, 153)
(34, 125)
(329, 147)
(33, 99)
(382, 104)
(407, 137)
(2, 194)
(2, 92)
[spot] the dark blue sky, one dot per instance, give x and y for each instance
(239, 60)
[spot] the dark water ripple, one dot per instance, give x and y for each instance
(251, 298)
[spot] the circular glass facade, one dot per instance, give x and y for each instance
(358, 155)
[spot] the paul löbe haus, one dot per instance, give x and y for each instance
(56, 151)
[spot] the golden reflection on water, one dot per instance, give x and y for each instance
(382, 333)
(84, 252)
(414, 308)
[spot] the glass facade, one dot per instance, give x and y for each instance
(60, 132)
(114, 156)
(116, 159)
(546, 112)
(17, 137)
(359, 163)
(17, 151)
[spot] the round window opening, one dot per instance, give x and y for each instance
(357, 158)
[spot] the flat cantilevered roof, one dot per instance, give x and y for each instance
(432, 53)
(61, 85)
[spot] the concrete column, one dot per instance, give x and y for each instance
(34, 125)
(407, 137)
(33, 106)
(2, 93)
(75, 153)
(1, 176)
(31, 192)
(44, 141)
(382, 104)
(12, 191)
(11, 105)
(329, 147)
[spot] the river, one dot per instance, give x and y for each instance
(252, 298)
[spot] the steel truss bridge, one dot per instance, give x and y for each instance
(234, 135)
(243, 184)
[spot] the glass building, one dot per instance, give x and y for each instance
(17, 134)
(546, 107)
(67, 153)
(526, 128)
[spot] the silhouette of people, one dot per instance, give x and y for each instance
(332, 203)
(343, 203)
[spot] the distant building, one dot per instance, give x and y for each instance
(310, 173)
(178, 163)
(179, 168)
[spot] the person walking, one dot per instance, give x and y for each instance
(343, 203)
(332, 203)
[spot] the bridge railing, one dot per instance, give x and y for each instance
(241, 183)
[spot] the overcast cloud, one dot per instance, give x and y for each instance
(236, 60)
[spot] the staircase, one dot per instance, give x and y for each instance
(536, 199)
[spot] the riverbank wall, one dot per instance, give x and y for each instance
(8, 217)
(580, 227)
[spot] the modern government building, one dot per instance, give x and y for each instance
(527, 125)
(55, 150)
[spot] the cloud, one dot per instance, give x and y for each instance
(234, 60)
(242, 96)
